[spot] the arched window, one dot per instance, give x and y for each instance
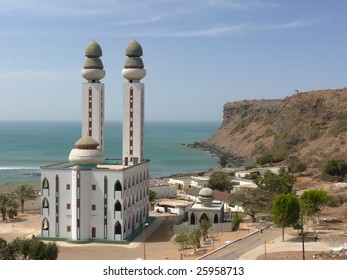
(45, 203)
(117, 206)
(117, 228)
(45, 224)
(215, 219)
(125, 184)
(192, 219)
(117, 186)
(125, 204)
(45, 183)
(203, 217)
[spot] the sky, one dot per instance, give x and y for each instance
(199, 54)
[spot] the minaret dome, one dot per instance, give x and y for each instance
(93, 69)
(133, 68)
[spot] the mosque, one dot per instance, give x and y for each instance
(90, 197)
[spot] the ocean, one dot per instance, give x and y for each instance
(25, 146)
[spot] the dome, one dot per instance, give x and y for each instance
(93, 49)
(86, 152)
(134, 49)
(206, 192)
(133, 74)
(93, 63)
(133, 62)
(206, 197)
(87, 141)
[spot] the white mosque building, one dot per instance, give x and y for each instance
(90, 197)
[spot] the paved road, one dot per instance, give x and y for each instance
(235, 250)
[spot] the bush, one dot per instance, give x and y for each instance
(336, 167)
(295, 165)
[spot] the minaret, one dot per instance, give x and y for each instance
(93, 94)
(133, 105)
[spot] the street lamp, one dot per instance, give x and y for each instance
(144, 240)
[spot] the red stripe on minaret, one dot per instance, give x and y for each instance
(90, 112)
(131, 134)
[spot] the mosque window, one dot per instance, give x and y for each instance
(118, 228)
(45, 183)
(117, 206)
(93, 207)
(215, 219)
(118, 186)
(68, 206)
(192, 219)
(68, 228)
(45, 203)
(93, 187)
(93, 232)
(45, 224)
(68, 187)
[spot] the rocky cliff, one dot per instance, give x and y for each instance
(310, 125)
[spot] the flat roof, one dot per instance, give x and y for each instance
(110, 164)
(214, 205)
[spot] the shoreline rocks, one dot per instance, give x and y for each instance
(232, 159)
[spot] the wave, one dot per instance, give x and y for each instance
(18, 168)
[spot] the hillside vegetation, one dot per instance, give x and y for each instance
(309, 126)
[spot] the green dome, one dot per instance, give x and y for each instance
(134, 62)
(87, 141)
(93, 49)
(134, 49)
(93, 63)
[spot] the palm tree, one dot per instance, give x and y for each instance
(7, 205)
(23, 193)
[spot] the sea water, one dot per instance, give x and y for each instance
(25, 146)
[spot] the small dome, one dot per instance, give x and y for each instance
(87, 141)
(93, 49)
(134, 49)
(86, 152)
(206, 192)
(134, 62)
(93, 63)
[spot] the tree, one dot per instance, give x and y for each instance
(32, 249)
(312, 201)
(51, 251)
(205, 225)
(7, 205)
(276, 183)
(223, 160)
(23, 193)
(219, 181)
(253, 201)
(152, 195)
(285, 211)
(237, 220)
(194, 238)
